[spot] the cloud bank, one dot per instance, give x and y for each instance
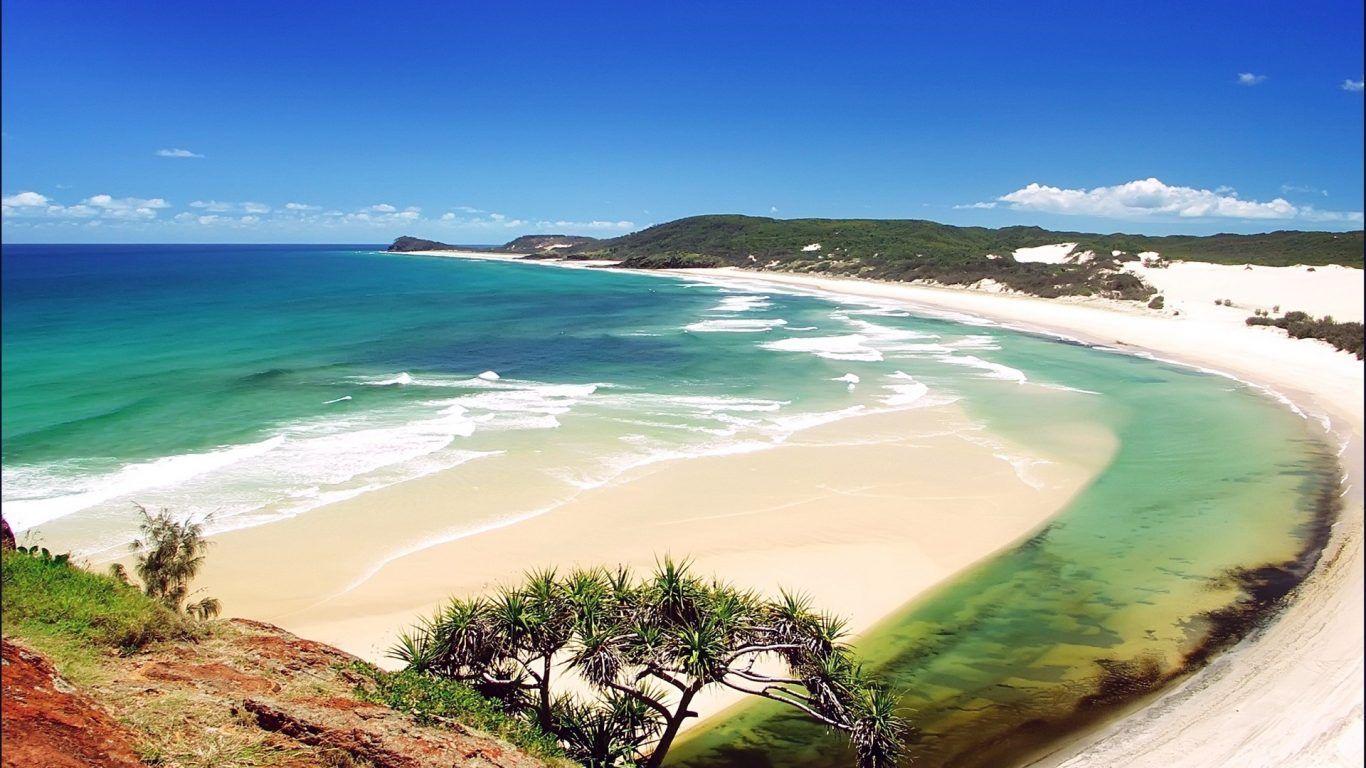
(32, 205)
(1151, 199)
(34, 209)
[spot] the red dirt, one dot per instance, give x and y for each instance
(213, 675)
(46, 722)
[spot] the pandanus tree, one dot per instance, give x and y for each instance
(646, 648)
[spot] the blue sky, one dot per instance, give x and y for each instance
(299, 122)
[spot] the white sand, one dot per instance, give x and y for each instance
(1192, 287)
(1291, 695)
(1045, 254)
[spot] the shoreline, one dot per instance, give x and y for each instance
(1304, 670)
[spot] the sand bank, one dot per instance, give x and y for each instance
(1292, 694)
(862, 514)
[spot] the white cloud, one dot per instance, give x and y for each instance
(30, 206)
(381, 213)
(771, 209)
(1290, 189)
(1353, 86)
(177, 153)
(587, 224)
(1247, 78)
(462, 218)
(1310, 213)
(488, 219)
(110, 207)
(217, 206)
(1152, 199)
(991, 204)
(25, 200)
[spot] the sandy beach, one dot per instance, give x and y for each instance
(761, 519)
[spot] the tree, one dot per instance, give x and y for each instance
(169, 555)
(646, 648)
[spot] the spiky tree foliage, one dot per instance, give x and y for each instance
(647, 647)
(170, 553)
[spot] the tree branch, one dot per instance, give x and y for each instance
(660, 673)
(764, 678)
(649, 702)
(790, 702)
(761, 649)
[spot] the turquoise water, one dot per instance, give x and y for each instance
(258, 382)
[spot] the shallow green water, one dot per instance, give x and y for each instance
(1112, 599)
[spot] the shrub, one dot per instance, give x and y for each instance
(1300, 325)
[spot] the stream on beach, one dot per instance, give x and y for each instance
(1216, 503)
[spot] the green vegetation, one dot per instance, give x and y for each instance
(647, 647)
(406, 243)
(874, 241)
(1300, 325)
(169, 555)
(69, 610)
(438, 701)
(912, 249)
(1272, 249)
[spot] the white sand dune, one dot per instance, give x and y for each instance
(1192, 287)
(1045, 254)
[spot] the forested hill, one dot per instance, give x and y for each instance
(885, 242)
(941, 253)
(911, 249)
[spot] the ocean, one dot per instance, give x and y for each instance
(255, 383)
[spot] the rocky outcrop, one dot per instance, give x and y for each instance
(46, 721)
(406, 243)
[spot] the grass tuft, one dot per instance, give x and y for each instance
(56, 604)
(436, 701)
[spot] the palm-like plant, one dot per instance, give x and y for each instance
(648, 647)
(170, 553)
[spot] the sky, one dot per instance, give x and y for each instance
(475, 123)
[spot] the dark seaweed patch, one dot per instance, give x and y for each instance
(1122, 682)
